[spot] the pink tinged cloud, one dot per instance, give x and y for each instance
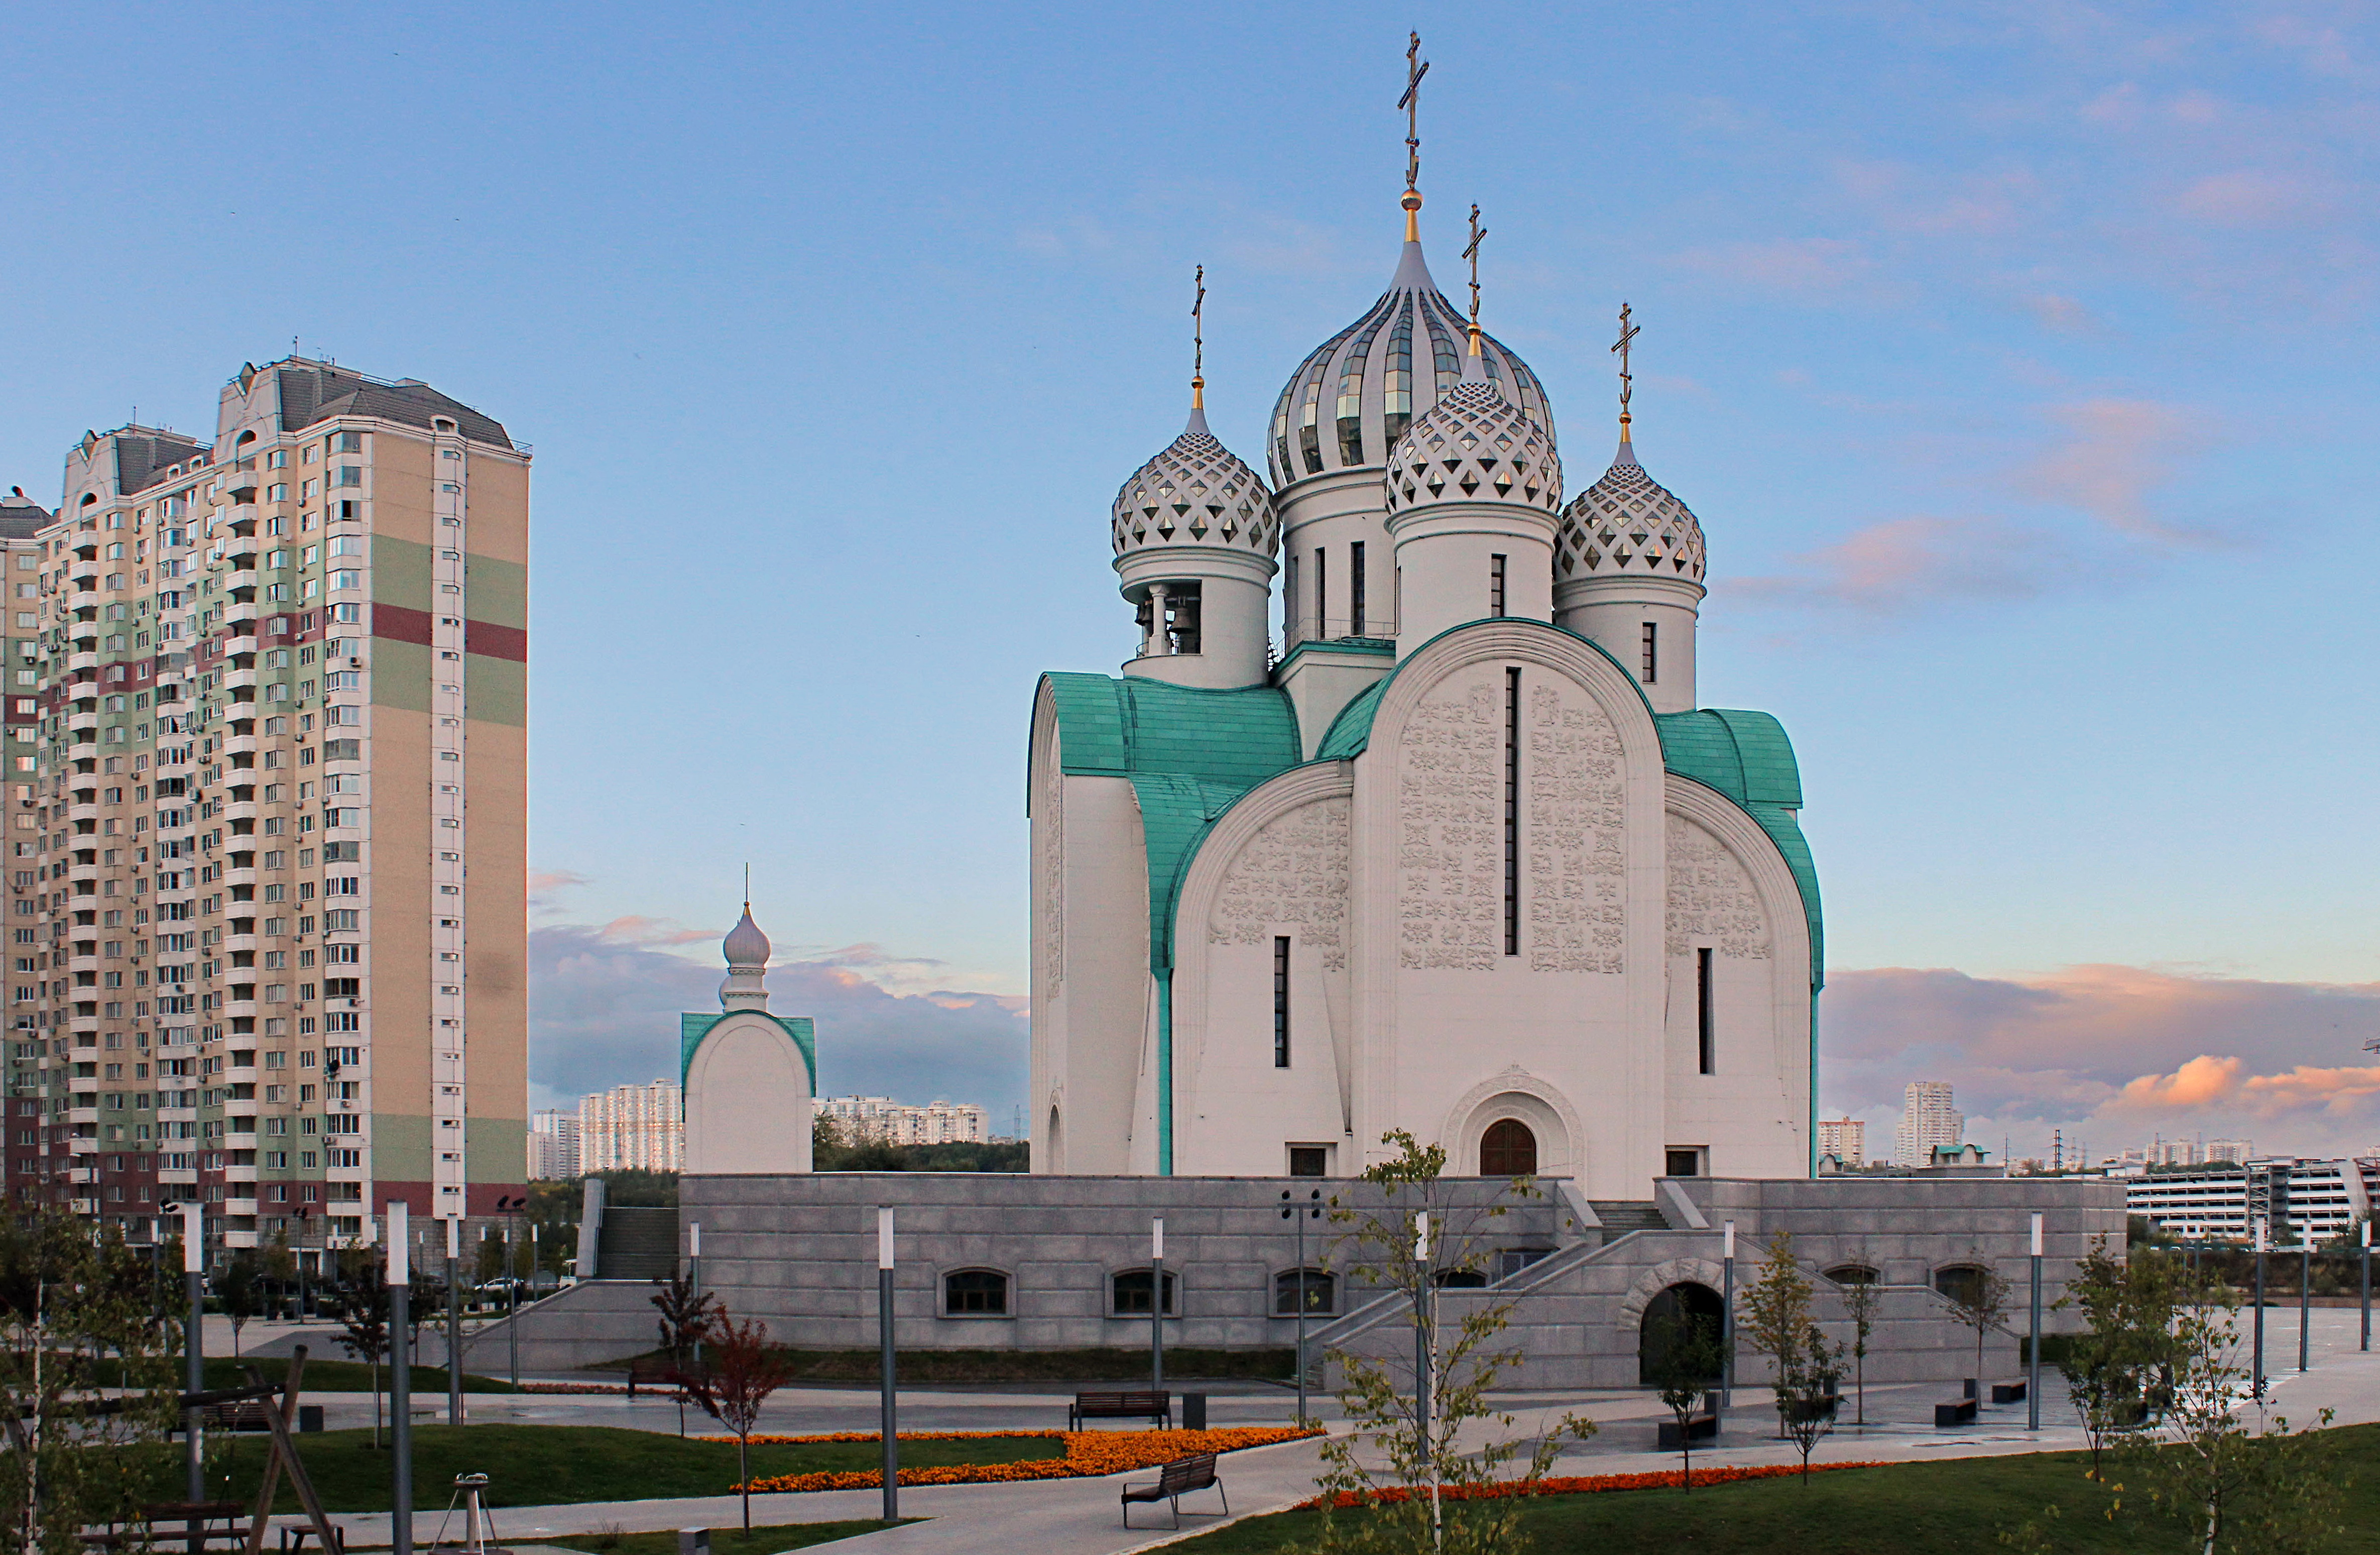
(2118, 454)
(1905, 563)
(2202, 1080)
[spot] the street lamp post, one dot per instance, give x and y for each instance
(1300, 1214)
(194, 1275)
(1727, 1316)
(885, 1427)
(694, 1275)
(454, 1322)
(1157, 1304)
(2263, 1228)
(2032, 1380)
(400, 1383)
(2305, 1293)
(2363, 1257)
(1425, 1355)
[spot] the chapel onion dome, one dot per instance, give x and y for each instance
(1627, 522)
(1195, 493)
(1473, 445)
(1349, 401)
(744, 944)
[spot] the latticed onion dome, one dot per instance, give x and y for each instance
(1195, 493)
(1473, 445)
(744, 944)
(1627, 522)
(1349, 402)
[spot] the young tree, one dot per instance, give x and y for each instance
(742, 1372)
(1982, 1299)
(69, 1293)
(281, 1268)
(240, 1290)
(689, 1315)
(1807, 1368)
(363, 1316)
(2117, 1369)
(1400, 1500)
(1861, 1301)
(1688, 1359)
(2271, 1488)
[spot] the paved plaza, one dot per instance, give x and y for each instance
(1079, 1516)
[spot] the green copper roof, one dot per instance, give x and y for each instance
(1351, 730)
(1190, 754)
(692, 1029)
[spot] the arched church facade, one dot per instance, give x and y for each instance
(1465, 859)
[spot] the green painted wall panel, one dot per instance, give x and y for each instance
(400, 1147)
(496, 690)
(400, 674)
(498, 590)
(400, 573)
(495, 1149)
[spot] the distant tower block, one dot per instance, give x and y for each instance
(749, 1075)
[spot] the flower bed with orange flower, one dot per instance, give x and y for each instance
(1590, 1484)
(1088, 1455)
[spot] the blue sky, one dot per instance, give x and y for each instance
(2017, 360)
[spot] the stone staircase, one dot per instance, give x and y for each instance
(637, 1244)
(1621, 1217)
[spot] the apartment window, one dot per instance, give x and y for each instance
(1652, 651)
(1495, 585)
(1280, 1002)
(1355, 589)
(347, 475)
(1703, 1027)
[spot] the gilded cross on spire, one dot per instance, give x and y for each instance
(1198, 344)
(1415, 68)
(1628, 333)
(1478, 234)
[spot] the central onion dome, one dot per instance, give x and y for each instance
(1473, 445)
(1195, 493)
(1348, 403)
(1627, 522)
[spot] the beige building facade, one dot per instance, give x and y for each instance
(266, 764)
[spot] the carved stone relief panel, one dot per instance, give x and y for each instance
(1712, 899)
(1450, 844)
(1293, 875)
(1574, 832)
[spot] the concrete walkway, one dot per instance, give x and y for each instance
(1079, 1516)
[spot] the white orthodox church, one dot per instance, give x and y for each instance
(1468, 860)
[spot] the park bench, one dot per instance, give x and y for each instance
(1144, 1405)
(660, 1376)
(204, 1525)
(2008, 1392)
(1958, 1412)
(1174, 1481)
(1702, 1425)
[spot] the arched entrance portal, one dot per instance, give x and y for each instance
(1508, 1149)
(1666, 1319)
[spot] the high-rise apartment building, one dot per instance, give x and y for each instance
(633, 1128)
(266, 781)
(552, 1146)
(1843, 1138)
(1927, 1119)
(882, 1119)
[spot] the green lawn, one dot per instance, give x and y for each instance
(539, 1465)
(1948, 1507)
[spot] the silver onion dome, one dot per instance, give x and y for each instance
(1348, 403)
(1195, 491)
(1627, 522)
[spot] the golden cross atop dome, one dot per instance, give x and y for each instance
(1471, 252)
(1628, 333)
(1198, 344)
(1415, 68)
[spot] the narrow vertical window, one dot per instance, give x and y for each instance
(1355, 589)
(1652, 652)
(1495, 585)
(1280, 1002)
(1289, 614)
(1512, 810)
(1703, 1008)
(1322, 594)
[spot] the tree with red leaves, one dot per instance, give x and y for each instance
(742, 1374)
